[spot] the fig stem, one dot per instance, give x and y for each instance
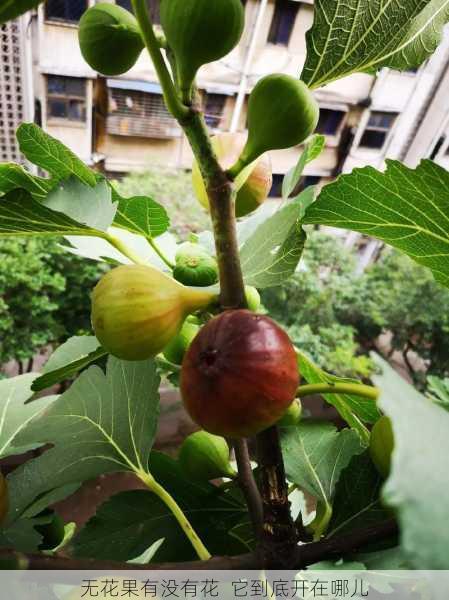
(159, 252)
(248, 484)
(174, 105)
(357, 389)
(177, 512)
(124, 249)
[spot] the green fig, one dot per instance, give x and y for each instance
(252, 298)
(292, 415)
(253, 191)
(199, 32)
(282, 112)
(178, 346)
(137, 310)
(204, 456)
(195, 266)
(109, 39)
(382, 445)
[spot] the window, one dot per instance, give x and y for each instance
(276, 188)
(65, 10)
(283, 21)
(330, 121)
(213, 109)
(153, 6)
(377, 129)
(140, 114)
(66, 98)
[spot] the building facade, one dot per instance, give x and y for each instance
(122, 125)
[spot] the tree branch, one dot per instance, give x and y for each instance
(304, 555)
(279, 536)
(248, 485)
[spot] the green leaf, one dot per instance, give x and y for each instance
(13, 177)
(392, 559)
(21, 536)
(272, 252)
(312, 150)
(67, 360)
(51, 155)
(128, 523)
(21, 215)
(350, 36)
(103, 423)
(142, 215)
(10, 9)
(355, 410)
(408, 209)
(357, 498)
(315, 454)
(16, 415)
(50, 498)
(91, 206)
(416, 487)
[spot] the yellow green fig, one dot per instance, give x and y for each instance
(292, 415)
(282, 112)
(382, 445)
(195, 266)
(256, 187)
(110, 39)
(137, 310)
(204, 456)
(178, 346)
(252, 297)
(199, 32)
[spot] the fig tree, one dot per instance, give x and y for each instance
(239, 375)
(255, 188)
(382, 445)
(195, 266)
(282, 112)
(204, 456)
(137, 310)
(109, 39)
(199, 32)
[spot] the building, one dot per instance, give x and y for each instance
(122, 125)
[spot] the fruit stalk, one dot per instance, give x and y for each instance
(357, 389)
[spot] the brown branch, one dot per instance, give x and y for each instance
(248, 485)
(305, 555)
(279, 537)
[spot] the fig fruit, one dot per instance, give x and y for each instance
(252, 298)
(4, 499)
(292, 415)
(109, 39)
(195, 266)
(177, 347)
(282, 112)
(239, 375)
(137, 310)
(254, 190)
(199, 32)
(204, 456)
(382, 445)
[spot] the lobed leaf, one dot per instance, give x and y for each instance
(406, 208)
(272, 252)
(350, 36)
(416, 486)
(13, 177)
(142, 215)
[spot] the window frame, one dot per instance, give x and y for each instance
(62, 20)
(216, 118)
(67, 98)
(365, 127)
(276, 22)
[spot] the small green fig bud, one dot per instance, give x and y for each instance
(382, 445)
(109, 39)
(137, 310)
(252, 298)
(204, 456)
(194, 266)
(199, 32)
(255, 189)
(292, 415)
(178, 346)
(282, 112)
